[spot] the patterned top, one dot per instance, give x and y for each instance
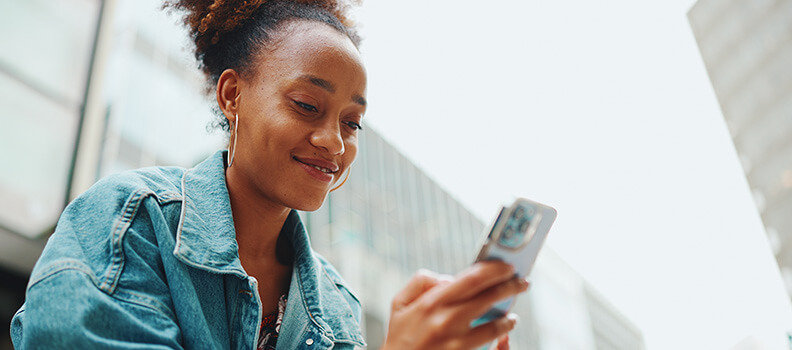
(270, 327)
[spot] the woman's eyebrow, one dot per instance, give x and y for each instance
(329, 87)
(359, 100)
(324, 84)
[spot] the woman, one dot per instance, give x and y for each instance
(216, 256)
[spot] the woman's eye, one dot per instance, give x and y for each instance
(306, 106)
(354, 125)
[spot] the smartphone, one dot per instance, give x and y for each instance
(515, 237)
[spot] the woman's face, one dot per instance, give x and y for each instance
(299, 111)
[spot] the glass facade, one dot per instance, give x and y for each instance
(40, 107)
(157, 112)
(391, 216)
(746, 47)
(388, 220)
(40, 91)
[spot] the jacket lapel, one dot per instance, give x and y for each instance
(206, 237)
(313, 293)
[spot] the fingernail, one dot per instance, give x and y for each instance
(514, 318)
(524, 283)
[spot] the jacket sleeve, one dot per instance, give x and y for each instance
(99, 282)
(67, 311)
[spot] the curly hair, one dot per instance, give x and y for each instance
(228, 33)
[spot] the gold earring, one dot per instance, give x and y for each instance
(342, 182)
(231, 153)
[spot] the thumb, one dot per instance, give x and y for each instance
(503, 342)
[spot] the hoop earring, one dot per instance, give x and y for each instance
(342, 182)
(236, 136)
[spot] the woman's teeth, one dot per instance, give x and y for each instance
(324, 170)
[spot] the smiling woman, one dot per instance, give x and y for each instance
(296, 116)
(216, 256)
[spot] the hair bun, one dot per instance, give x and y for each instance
(208, 20)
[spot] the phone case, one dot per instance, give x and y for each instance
(515, 236)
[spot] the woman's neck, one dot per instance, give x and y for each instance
(257, 221)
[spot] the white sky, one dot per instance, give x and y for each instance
(602, 109)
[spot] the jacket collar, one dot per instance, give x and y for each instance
(321, 297)
(206, 239)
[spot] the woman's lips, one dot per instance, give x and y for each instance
(321, 170)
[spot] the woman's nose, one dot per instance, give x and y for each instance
(328, 137)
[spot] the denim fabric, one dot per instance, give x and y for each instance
(148, 260)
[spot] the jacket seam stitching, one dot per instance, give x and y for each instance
(307, 309)
(349, 307)
(145, 301)
(168, 197)
(80, 267)
(113, 273)
(338, 281)
(329, 335)
(60, 266)
(180, 227)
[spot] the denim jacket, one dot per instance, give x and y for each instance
(148, 260)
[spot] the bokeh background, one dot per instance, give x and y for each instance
(660, 130)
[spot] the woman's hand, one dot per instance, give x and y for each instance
(503, 342)
(435, 312)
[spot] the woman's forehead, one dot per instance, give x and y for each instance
(314, 49)
(310, 37)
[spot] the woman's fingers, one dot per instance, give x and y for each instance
(488, 332)
(435, 311)
(503, 342)
(484, 301)
(479, 277)
(422, 281)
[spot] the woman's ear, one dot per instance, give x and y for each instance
(228, 92)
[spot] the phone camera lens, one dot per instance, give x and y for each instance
(508, 233)
(511, 237)
(519, 213)
(525, 225)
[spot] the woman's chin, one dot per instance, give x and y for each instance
(309, 204)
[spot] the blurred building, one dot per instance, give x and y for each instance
(41, 106)
(95, 87)
(746, 46)
(390, 219)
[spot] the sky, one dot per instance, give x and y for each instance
(604, 110)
